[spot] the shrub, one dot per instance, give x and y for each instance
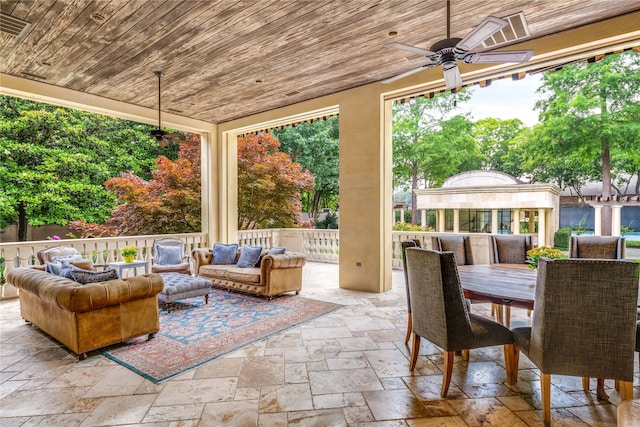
(533, 255)
(405, 226)
(632, 243)
(562, 238)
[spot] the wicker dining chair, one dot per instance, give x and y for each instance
(408, 243)
(597, 247)
(592, 335)
(600, 247)
(440, 313)
(508, 249)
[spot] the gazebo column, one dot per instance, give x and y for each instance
(515, 224)
(616, 219)
(423, 217)
(597, 220)
(532, 222)
(542, 227)
(440, 221)
(401, 215)
(456, 220)
(494, 221)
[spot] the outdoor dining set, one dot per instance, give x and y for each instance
(583, 308)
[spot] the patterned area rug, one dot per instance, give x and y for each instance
(195, 333)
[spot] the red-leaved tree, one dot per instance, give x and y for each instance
(169, 203)
(269, 184)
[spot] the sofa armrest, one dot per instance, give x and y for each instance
(285, 260)
(201, 256)
(75, 297)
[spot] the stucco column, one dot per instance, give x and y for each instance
(494, 221)
(616, 219)
(515, 223)
(401, 215)
(597, 220)
(542, 227)
(423, 217)
(456, 221)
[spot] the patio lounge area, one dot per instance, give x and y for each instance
(349, 367)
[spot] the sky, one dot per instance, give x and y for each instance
(505, 99)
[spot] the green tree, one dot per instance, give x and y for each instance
(590, 111)
(269, 184)
(498, 142)
(315, 146)
(427, 146)
(168, 203)
(54, 161)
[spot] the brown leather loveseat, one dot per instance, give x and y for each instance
(91, 316)
(275, 274)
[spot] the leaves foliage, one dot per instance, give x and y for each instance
(269, 184)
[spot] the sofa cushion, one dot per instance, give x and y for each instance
(249, 256)
(168, 255)
(247, 275)
(224, 253)
(84, 276)
(276, 250)
(215, 271)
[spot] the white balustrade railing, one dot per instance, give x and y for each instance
(319, 245)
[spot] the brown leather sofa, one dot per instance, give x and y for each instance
(275, 275)
(91, 316)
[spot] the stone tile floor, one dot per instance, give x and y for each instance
(348, 368)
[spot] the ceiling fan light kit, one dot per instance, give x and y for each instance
(447, 51)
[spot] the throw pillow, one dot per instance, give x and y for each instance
(249, 256)
(65, 269)
(85, 264)
(74, 257)
(276, 250)
(53, 267)
(84, 276)
(168, 255)
(224, 253)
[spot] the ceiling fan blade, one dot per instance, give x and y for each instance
(505, 56)
(452, 77)
(407, 73)
(412, 49)
(486, 28)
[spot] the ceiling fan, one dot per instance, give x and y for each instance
(446, 52)
(161, 136)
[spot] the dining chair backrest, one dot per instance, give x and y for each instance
(459, 245)
(584, 322)
(600, 247)
(437, 301)
(509, 249)
(408, 243)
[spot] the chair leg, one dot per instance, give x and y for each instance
(415, 349)
(507, 316)
(511, 357)
(545, 383)
(585, 383)
(448, 370)
(600, 393)
(409, 328)
(465, 354)
(626, 390)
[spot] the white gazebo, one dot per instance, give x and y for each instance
(493, 202)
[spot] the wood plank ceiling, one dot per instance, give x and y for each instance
(225, 59)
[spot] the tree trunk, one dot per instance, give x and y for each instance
(414, 198)
(606, 174)
(23, 224)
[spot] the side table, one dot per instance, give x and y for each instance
(120, 266)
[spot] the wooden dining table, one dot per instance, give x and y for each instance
(510, 285)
